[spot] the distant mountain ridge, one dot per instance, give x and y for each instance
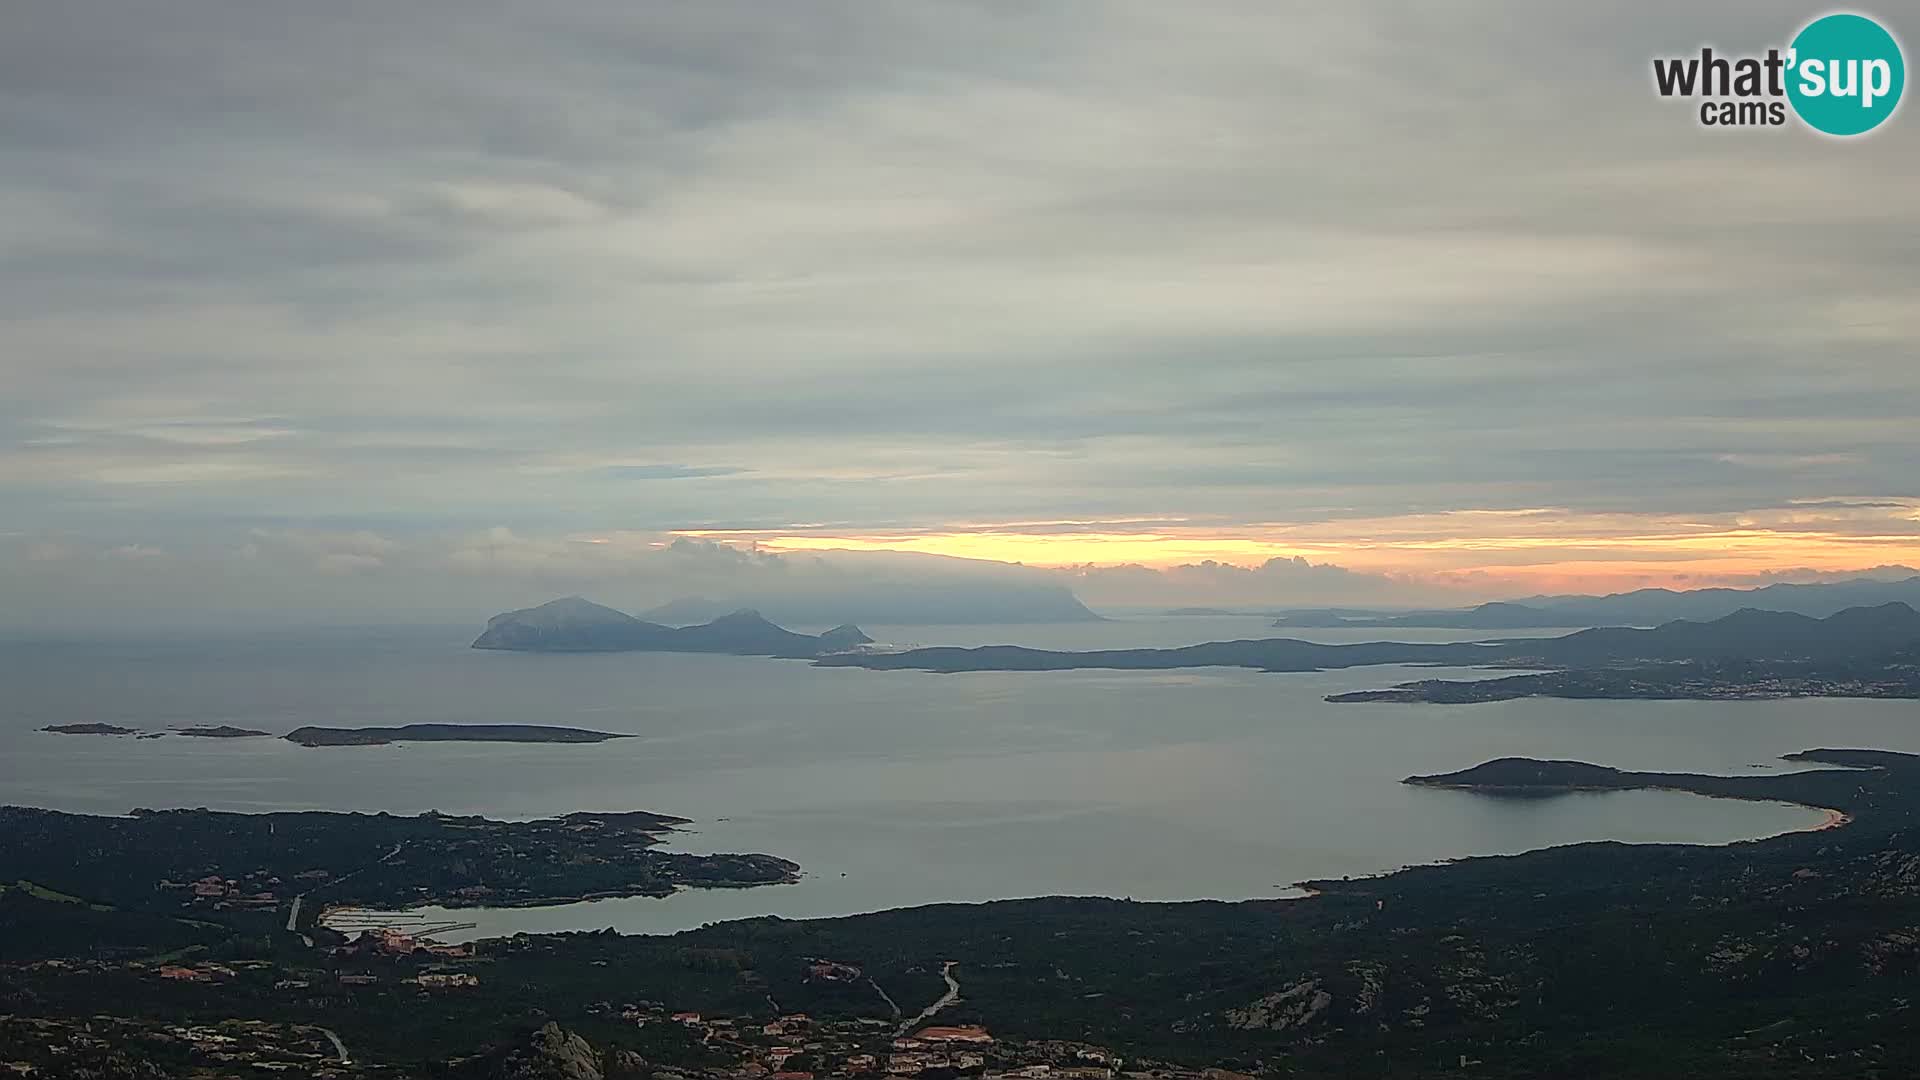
(575, 624)
(983, 601)
(1642, 607)
(1749, 634)
(1875, 633)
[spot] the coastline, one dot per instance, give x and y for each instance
(1301, 890)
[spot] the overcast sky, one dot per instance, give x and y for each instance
(308, 303)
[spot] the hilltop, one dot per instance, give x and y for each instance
(573, 624)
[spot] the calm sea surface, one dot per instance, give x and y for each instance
(897, 788)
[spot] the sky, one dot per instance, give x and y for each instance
(391, 307)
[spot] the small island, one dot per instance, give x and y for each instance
(90, 729)
(381, 736)
(222, 731)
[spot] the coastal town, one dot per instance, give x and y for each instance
(693, 1045)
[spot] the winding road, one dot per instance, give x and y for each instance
(293, 913)
(952, 995)
(338, 1046)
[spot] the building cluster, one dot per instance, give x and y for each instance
(799, 1047)
(395, 943)
(68, 1047)
(255, 890)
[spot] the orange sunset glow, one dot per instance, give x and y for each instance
(1492, 551)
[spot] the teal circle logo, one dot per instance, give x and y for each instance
(1845, 75)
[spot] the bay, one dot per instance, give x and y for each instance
(898, 788)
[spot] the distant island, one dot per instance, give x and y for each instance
(90, 729)
(1271, 654)
(1857, 652)
(380, 736)
(223, 731)
(573, 624)
(367, 736)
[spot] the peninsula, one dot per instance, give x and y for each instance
(1879, 645)
(203, 864)
(1737, 680)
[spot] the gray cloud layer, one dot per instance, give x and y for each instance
(434, 268)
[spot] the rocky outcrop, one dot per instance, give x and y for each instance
(553, 1053)
(1297, 1006)
(843, 638)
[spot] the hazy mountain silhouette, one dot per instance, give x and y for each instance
(1857, 633)
(1642, 607)
(573, 624)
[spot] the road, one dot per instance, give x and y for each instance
(952, 995)
(293, 914)
(338, 1046)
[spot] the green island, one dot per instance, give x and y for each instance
(1791, 956)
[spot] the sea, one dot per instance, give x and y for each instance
(898, 788)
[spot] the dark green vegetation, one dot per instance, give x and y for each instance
(1642, 607)
(380, 736)
(576, 625)
(1794, 956)
(241, 872)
